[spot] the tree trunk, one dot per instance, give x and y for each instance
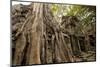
(40, 40)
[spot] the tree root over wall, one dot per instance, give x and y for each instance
(37, 37)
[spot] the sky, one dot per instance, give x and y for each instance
(16, 2)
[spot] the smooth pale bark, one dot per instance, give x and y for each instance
(43, 41)
(36, 34)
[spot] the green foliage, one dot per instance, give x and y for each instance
(85, 14)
